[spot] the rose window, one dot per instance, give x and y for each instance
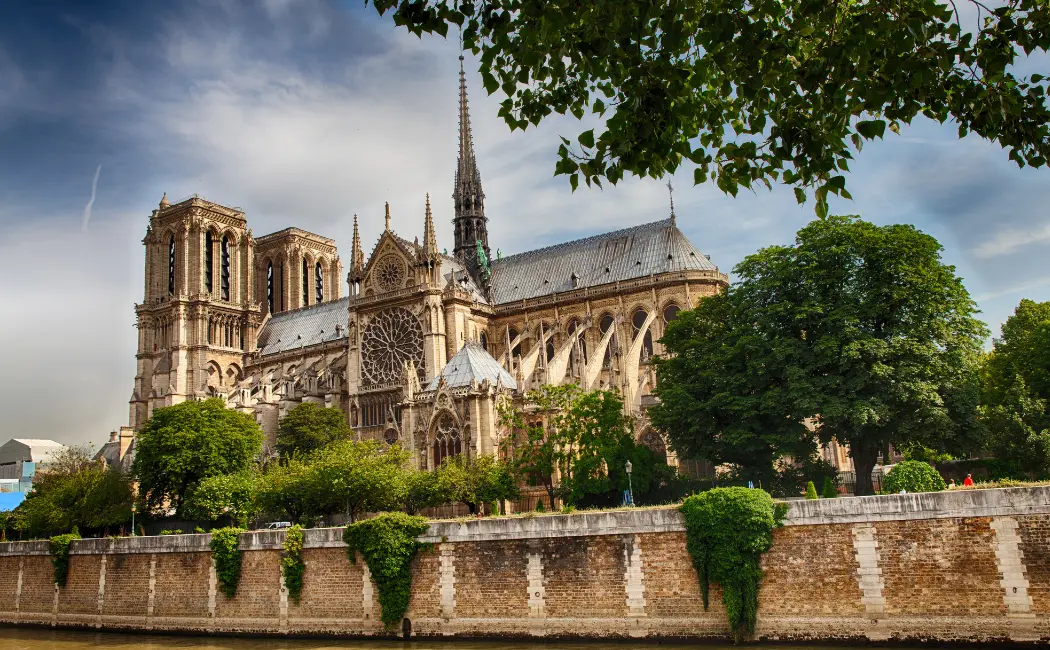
(390, 273)
(392, 338)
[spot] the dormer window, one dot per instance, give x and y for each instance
(575, 280)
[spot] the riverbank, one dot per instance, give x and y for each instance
(958, 567)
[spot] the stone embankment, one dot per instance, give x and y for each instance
(953, 566)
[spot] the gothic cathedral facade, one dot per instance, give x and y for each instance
(425, 345)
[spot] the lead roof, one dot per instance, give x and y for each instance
(472, 363)
(299, 328)
(636, 252)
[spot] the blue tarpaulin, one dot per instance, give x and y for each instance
(10, 500)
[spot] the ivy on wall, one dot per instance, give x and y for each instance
(727, 531)
(227, 554)
(292, 565)
(59, 548)
(388, 544)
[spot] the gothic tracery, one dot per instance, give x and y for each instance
(392, 338)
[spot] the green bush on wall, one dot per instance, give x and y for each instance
(811, 491)
(913, 476)
(829, 491)
(227, 554)
(59, 548)
(388, 544)
(292, 565)
(727, 531)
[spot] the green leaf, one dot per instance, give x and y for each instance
(587, 138)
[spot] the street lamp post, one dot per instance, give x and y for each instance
(132, 518)
(630, 488)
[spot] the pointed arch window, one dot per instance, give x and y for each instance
(446, 439)
(318, 283)
(604, 325)
(224, 277)
(638, 321)
(513, 334)
(578, 358)
(171, 266)
(306, 283)
(269, 286)
(209, 253)
(671, 312)
(483, 338)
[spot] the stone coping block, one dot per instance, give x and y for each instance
(844, 510)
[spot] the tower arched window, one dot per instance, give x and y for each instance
(225, 272)
(269, 286)
(604, 325)
(319, 282)
(638, 321)
(306, 283)
(171, 266)
(446, 439)
(483, 338)
(209, 260)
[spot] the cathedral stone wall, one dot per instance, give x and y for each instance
(966, 566)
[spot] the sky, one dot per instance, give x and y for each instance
(305, 112)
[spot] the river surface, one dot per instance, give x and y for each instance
(42, 639)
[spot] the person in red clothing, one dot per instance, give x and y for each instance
(968, 480)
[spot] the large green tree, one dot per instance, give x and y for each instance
(358, 477)
(308, 427)
(751, 91)
(75, 491)
(863, 328)
(1017, 390)
(724, 390)
(475, 481)
(182, 445)
(225, 495)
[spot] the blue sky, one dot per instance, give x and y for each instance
(304, 112)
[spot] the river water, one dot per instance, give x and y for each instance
(42, 639)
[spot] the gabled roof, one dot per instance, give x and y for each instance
(636, 252)
(29, 449)
(300, 328)
(472, 363)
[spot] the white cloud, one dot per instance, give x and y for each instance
(1009, 240)
(91, 201)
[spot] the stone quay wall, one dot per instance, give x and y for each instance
(963, 566)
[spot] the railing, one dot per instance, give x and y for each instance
(848, 481)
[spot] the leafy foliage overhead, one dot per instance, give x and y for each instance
(182, 445)
(751, 91)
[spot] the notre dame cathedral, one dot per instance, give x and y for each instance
(425, 345)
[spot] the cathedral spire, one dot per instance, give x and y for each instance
(429, 236)
(357, 256)
(470, 222)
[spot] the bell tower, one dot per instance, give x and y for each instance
(198, 318)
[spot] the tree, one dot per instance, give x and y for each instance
(287, 488)
(750, 91)
(232, 495)
(882, 335)
(308, 427)
(358, 477)
(182, 445)
(586, 440)
(424, 489)
(75, 491)
(475, 481)
(1016, 390)
(860, 327)
(723, 389)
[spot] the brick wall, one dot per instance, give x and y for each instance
(965, 566)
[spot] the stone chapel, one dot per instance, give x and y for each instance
(425, 344)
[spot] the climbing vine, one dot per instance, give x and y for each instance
(292, 565)
(727, 530)
(59, 548)
(227, 554)
(388, 544)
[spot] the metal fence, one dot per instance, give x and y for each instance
(847, 483)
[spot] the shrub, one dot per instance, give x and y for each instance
(727, 530)
(913, 476)
(224, 547)
(829, 491)
(539, 505)
(388, 544)
(811, 490)
(292, 565)
(59, 548)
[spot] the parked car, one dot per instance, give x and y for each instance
(277, 525)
